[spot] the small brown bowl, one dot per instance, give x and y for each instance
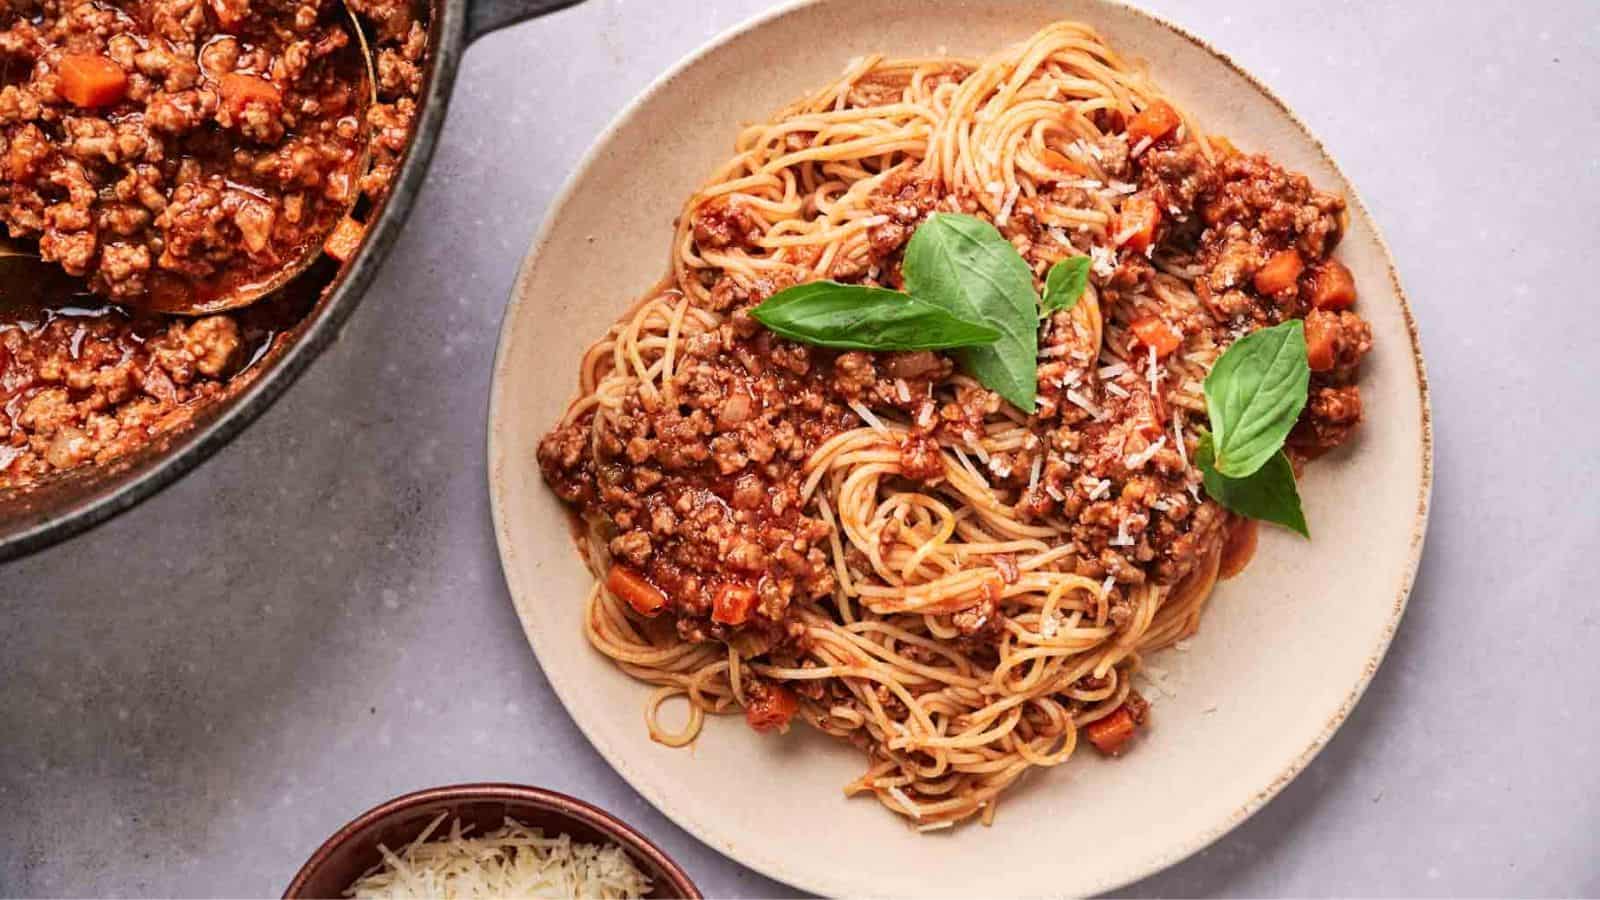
(353, 849)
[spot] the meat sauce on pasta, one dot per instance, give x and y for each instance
(874, 541)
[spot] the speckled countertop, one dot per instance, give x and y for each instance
(193, 696)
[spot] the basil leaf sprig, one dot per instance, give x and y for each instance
(968, 290)
(858, 317)
(1269, 494)
(1254, 395)
(1063, 287)
(965, 265)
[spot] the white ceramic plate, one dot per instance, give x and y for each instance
(1283, 653)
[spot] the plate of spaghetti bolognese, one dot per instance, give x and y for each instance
(1023, 459)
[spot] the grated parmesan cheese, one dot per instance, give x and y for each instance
(913, 810)
(1143, 456)
(1103, 262)
(1005, 208)
(1123, 539)
(510, 861)
(867, 417)
(1085, 404)
(998, 467)
(1050, 625)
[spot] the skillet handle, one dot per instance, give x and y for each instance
(484, 16)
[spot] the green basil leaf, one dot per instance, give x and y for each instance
(857, 317)
(1254, 394)
(1268, 493)
(1063, 287)
(964, 265)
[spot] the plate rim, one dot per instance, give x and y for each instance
(775, 868)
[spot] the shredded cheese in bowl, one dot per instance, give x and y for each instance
(510, 861)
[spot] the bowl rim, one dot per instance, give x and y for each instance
(1150, 863)
(582, 811)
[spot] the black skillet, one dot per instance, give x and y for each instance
(34, 518)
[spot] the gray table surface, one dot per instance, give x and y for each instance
(193, 696)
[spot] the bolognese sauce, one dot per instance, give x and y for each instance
(921, 552)
(701, 490)
(161, 152)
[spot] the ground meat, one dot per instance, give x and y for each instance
(261, 96)
(1274, 208)
(904, 200)
(719, 497)
(1348, 338)
(853, 372)
(722, 497)
(703, 490)
(920, 458)
(393, 18)
(1331, 414)
(721, 224)
(235, 137)
(982, 620)
(1177, 176)
(76, 390)
(1137, 706)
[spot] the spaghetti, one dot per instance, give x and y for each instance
(876, 543)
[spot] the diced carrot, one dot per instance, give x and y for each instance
(1137, 223)
(1321, 333)
(770, 708)
(645, 598)
(345, 239)
(1332, 286)
(89, 80)
(239, 91)
(733, 603)
(1280, 273)
(1155, 122)
(1152, 331)
(1109, 735)
(1061, 161)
